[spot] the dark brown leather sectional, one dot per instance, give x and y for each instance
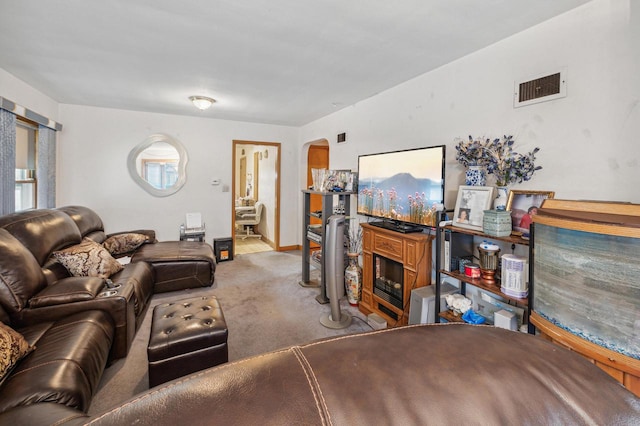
(440, 374)
(66, 366)
(177, 265)
(74, 324)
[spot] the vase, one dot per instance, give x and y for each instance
(475, 176)
(353, 279)
(500, 203)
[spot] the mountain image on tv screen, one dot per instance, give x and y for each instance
(403, 185)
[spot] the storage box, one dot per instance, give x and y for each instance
(497, 223)
(456, 246)
(515, 276)
(505, 319)
(223, 248)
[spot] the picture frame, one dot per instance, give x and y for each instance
(520, 204)
(471, 203)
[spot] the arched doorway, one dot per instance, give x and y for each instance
(317, 158)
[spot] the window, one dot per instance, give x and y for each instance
(26, 182)
(27, 158)
(161, 174)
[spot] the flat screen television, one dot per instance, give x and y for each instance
(402, 188)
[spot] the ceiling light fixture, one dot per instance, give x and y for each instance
(202, 102)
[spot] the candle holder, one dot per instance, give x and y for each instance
(489, 258)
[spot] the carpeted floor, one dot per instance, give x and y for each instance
(265, 309)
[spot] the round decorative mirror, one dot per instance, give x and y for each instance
(159, 165)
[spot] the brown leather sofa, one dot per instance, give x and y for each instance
(41, 289)
(66, 365)
(77, 324)
(418, 375)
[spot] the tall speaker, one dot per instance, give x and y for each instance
(334, 269)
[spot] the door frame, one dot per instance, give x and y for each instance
(276, 213)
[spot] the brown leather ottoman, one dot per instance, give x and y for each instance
(186, 336)
(178, 264)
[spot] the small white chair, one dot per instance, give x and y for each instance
(249, 220)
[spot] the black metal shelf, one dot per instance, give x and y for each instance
(479, 283)
(327, 211)
(486, 286)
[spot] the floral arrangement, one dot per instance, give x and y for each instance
(509, 166)
(472, 152)
(499, 159)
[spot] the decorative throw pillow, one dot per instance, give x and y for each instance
(13, 348)
(124, 243)
(88, 259)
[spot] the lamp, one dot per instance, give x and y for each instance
(202, 102)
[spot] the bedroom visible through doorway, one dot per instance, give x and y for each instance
(256, 192)
(251, 245)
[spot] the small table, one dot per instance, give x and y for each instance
(192, 236)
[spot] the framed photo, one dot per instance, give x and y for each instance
(470, 206)
(523, 205)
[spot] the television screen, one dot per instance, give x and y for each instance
(402, 186)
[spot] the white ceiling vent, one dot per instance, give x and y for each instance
(540, 89)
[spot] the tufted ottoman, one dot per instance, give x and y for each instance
(186, 336)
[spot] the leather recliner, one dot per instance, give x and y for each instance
(77, 324)
(41, 289)
(66, 365)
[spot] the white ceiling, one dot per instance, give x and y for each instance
(274, 61)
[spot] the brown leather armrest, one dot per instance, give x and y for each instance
(68, 290)
(43, 413)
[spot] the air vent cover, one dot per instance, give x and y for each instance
(540, 89)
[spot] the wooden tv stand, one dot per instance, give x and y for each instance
(412, 251)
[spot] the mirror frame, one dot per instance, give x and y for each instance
(182, 165)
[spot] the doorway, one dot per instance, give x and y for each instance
(255, 186)
(317, 158)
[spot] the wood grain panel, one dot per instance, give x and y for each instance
(624, 369)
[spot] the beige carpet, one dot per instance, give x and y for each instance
(265, 309)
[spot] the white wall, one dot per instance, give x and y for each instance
(21, 93)
(267, 192)
(92, 169)
(588, 140)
